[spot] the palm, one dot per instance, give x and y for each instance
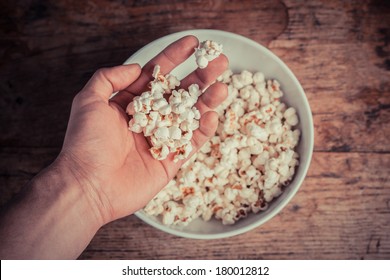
(115, 156)
(135, 166)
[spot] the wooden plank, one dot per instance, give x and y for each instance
(340, 54)
(20, 165)
(338, 50)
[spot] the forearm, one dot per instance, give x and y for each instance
(52, 219)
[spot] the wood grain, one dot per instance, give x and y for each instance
(340, 54)
(339, 51)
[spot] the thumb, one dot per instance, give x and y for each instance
(106, 81)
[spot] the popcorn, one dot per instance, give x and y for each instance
(168, 122)
(292, 120)
(255, 147)
(231, 123)
(165, 110)
(258, 206)
(174, 133)
(242, 80)
(159, 153)
(283, 170)
(239, 170)
(182, 152)
(168, 218)
(194, 91)
(133, 107)
(162, 133)
(140, 118)
(136, 128)
(238, 107)
(225, 77)
(257, 132)
(159, 103)
(258, 78)
(206, 52)
(172, 81)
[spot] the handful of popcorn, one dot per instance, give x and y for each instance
(168, 122)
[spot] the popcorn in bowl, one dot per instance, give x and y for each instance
(244, 166)
(243, 53)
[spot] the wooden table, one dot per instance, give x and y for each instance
(340, 52)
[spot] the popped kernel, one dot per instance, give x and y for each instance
(207, 51)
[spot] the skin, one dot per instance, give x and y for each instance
(104, 171)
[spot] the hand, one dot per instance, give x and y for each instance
(112, 164)
(104, 171)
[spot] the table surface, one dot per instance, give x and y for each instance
(340, 52)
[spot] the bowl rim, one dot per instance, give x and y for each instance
(309, 146)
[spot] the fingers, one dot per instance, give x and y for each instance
(168, 59)
(212, 97)
(122, 98)
(105, 81)
(208, 123)
(207, 126)
(204, 77)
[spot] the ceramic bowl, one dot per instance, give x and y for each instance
(243, 54)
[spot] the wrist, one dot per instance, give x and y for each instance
(66, 178)
(55, 218)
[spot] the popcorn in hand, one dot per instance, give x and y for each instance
(206, 52)
(169, 122)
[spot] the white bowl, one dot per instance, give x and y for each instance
(242, 53)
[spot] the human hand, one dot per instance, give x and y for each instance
(113, 165)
